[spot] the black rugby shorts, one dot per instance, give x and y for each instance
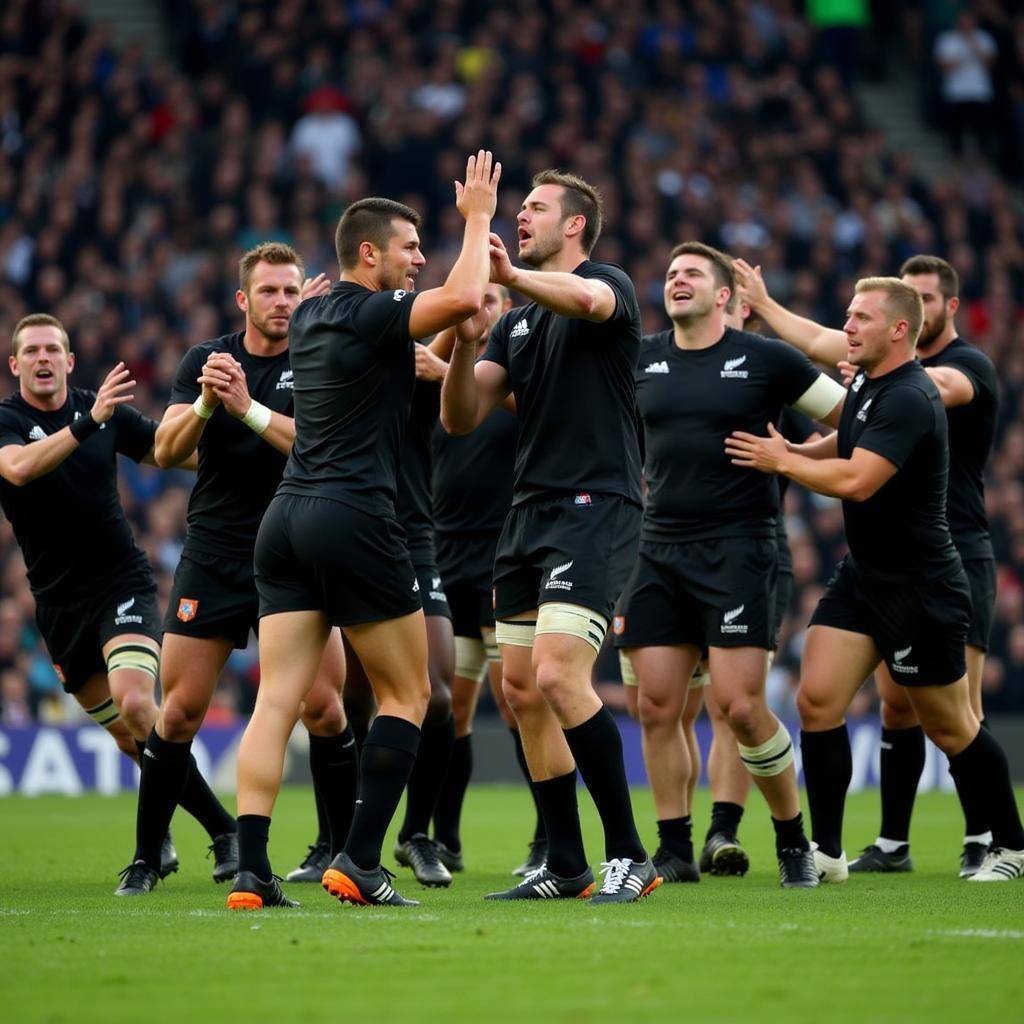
(981, 577)
(212, 597)
(466, 562)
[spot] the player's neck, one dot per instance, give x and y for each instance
(256, 343)
(365, 279)
(699, 333)
(45, 403)
(563, 262)
(893, 361)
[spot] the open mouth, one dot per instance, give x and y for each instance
(44, 375)
(524, 235)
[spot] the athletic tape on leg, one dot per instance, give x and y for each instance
(626, 669)
(490, 645)
(133, 656)
(514, 634)
(772, 757)
(470, 658)
(701, 677)
(104, 714)
(574, 620)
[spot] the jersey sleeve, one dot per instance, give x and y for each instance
(795, 374)
(185, 390)
(11, 431)
(900, 418)
(135, 432)
(621, 285)
(385, 316)
(976, 368)
(497, 342)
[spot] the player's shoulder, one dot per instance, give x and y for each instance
(772, 348)
(652, 344)
(230, 343)
(910, 385)
(961, 352)
(511, 318)
(611, 272)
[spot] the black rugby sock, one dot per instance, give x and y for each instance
(596, 746)
(539, 833)
(902, 761)
(725, 817)
(323, 826)
(388, 754)
(557, 800)
(165, 768)
(253, 833)
(981, 770)
(335, 766)
(676, 836)
(789, 834)
(828, 768)
(448, 812)
(432, 761)
(200, 801)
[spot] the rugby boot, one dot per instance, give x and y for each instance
(351, 884)
(252, 893)
(672, 868)
(626, 881)
(313, 865)
(419, 853)
(874, 859)
(543, 885)
(723, 855)
(225, 856)
(138, 879)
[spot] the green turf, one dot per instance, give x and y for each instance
(923, 947)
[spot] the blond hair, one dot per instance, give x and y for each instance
(277, 254)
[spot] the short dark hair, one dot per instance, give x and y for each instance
(38, 320)
(579, 199)
(368, 220)
(949, 279)
(276, 253)
(721, 265)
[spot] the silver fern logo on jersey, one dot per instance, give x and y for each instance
(731, 368)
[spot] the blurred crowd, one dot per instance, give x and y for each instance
(130, 185)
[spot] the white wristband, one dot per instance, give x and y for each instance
(201, 409)
(257, 418)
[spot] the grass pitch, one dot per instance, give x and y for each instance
(919, 947)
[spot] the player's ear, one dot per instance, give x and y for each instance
(71, 361)
(953, 305)
(242, 301)
(12, 362)
(368, 253)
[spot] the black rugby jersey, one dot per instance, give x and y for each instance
(691, 400)
(414, 503)
(354, 370)
(900, 533)
(972, 428)
(575, 394)
(796, 427)
(69, 523)
(238, 471)
(473, 476)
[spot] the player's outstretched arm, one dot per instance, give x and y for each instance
(21, 464)
(462, 294)
(955, 387)
(566, 294)
(822, 344)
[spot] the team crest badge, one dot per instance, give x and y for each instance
(619, 624)
(187, 608)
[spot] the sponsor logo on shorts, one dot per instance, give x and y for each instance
(730, 368)
(435, 592)
(59, 673)
(661, 367)
(521, 330)
(729, 623)
(582, 499)
(285, 382)
(399, 294)
(37, 433)
(897, 661)
(554, 581)
(619, 625)
(862, 412)
(187, 608)
(123, 618)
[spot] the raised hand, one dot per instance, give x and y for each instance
(428, 365)
(314, 286)
(750, 283)
(115, 390)
(479, 194)
(502, 271)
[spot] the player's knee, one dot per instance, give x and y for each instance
(655, 715)
(554, 681)
(953, 736)
(816, 709)
(439, 706)
(180, 719)
(324, 717)
(897, 715)
(463, 704)
(138, 712)
(520, 693)
(744, 715)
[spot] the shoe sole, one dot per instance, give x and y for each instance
(730, 860)
(342, 888)
(244, 901)
(584, 895)
(223, 876)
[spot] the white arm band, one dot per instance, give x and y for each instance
(820, 398)
(257, 418)
(201, 409)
